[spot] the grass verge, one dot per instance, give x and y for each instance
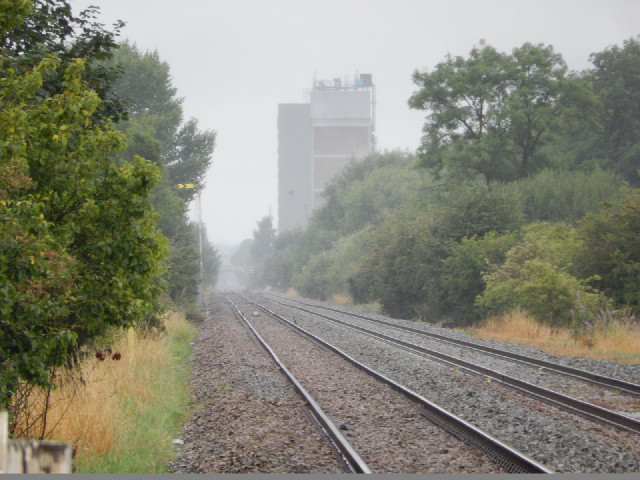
(121, 415)
(614, 340)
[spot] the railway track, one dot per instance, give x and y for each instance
(560, 439)
(399, 405)
(595, 378)
(589, 410)
(353, 460)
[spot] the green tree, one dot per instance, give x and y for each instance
(616, 80)
(564, 196)
(535, 102)
(464, 100)
(491, 114)
(365, 188)
(155, 121)
(476, 209)
(79, 248)
(347, 262)
(145, 86)
(182, 152)
(355, 198)
(399, 262)
(261, 249)
(313, 279)
(49, 28)
(538, 276)
(463, 272)
(612, 249)
(280, 265)
(242, 260)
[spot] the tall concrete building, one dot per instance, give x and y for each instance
(317, 139)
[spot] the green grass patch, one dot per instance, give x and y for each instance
(152, 415)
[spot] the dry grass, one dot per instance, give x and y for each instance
(613, 340)
(91, 408)
(340, 299)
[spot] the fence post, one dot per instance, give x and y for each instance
(18, 456)
(4, 439)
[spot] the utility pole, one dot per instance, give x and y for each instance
(200, 248)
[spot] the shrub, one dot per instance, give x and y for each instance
(463, 271)
(536, 277)
(611, 252)
(312, 281)
(555, 196)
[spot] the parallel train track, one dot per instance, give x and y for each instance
(509, 458)
(586, 409)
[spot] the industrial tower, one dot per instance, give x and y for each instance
(317, 139)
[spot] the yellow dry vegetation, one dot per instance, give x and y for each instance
(340, 299)
(87, 408)
(617, 341)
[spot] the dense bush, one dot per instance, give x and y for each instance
(611, 250)
(536, 276)
(477, 209)
(557, 196)
(464, 270)
(80, 249)
(312, 280)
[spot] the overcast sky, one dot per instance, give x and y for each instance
(234, 61)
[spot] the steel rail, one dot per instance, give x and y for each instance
(353, 460)
(587, 410)
(508, 457)
(602, 380)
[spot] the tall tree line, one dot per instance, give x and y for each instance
(156, 130)
(522, 194)
(93, 233)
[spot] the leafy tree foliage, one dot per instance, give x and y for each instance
(361, 193)
(366, 188)
(535, 101)
(261, 248)
(464, 270)
(536, 276)
(313, 279)
(242, 259)
(400, 269)
(477, 209)
(616, 80)
(491, 114)
(526, 212)
(464, 100)
(51, 29)
(280, 265)
(414, 246)
(182, 152)
(79, 247)
(612, 249)
(156, 118)
(557, 196)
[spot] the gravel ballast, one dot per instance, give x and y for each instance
(562, 441)
(248, 419)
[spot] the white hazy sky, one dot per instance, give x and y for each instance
(234, 61)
